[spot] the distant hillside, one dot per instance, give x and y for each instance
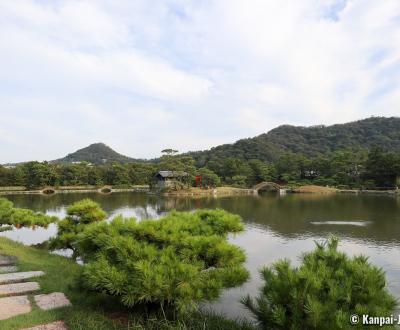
(97, 153)
(310, 141)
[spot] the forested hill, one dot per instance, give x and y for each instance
(97, 153)
(311, 141)
(308, 141)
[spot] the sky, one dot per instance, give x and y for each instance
(142, 76)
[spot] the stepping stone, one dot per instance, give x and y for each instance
(18, 288)
(13, 306)
(7, 260)
(59, 325)
(8, 269)
(52, 301)
(18, 277)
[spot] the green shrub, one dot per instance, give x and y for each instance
(6, 208)
(208, 178)
(172, 263)
(237, 181)
(79, 215)
(322, 292)
(11, 216)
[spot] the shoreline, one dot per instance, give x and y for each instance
(67, 190)
(312, 189)
(194, 191)
(371, 192)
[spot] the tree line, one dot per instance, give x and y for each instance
(348, 168)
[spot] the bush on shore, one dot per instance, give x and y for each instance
(322, 293)
(173, 263)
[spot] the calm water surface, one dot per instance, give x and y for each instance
(276, 227)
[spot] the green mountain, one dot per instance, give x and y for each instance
(310, 141)
(96, 153)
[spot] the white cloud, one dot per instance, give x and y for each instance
(140, 75)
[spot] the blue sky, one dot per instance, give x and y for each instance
(144, 75)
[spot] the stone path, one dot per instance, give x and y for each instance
(18, 277)
(7, 269)
(59, 325)
(52, 300)
(18, 288)
(12, 284)
(7, 260)
(12, 306)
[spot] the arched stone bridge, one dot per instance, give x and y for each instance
(263, 185)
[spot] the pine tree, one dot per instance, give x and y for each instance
(173, 263)
(322, 293)
(79, 215)
(11, 216)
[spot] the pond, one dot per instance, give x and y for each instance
(276, 227)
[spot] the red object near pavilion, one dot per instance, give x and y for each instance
(198, 181)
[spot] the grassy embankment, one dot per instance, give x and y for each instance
(89, 310)
(315, 190)
(219, 191)
(312, 189)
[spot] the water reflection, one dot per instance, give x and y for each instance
(276, 226)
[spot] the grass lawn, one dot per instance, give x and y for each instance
(89, 310)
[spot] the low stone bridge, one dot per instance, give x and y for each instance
(270, 185)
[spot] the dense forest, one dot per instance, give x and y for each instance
(310, 141)
(348, 168)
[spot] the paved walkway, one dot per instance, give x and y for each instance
(14, 299)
